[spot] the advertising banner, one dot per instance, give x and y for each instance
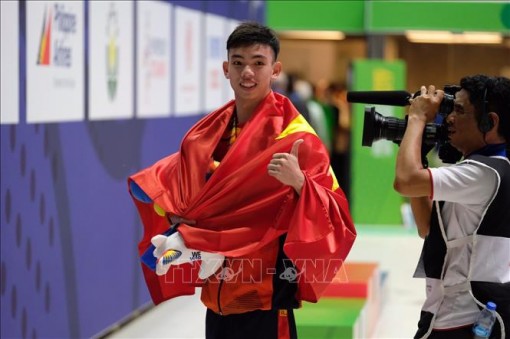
(153, 59)
(188, 59)
(111, 60)
(215, 54)
(9, 62)
(55, 66)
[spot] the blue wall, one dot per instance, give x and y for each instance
(69, 230)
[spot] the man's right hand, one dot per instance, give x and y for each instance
(171, 250)
(425, 106)
(175, 219)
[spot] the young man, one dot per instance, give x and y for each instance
(251, 184)
(466, 253)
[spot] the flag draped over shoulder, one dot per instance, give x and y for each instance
(240, 208)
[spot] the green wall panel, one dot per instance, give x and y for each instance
(389, 16)
(344, 16)
(398, 16)
(373, 199)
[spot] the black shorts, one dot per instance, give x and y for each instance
(272, 324)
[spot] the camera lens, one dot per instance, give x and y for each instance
(378, 127)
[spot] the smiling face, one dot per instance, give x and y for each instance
(463, 130)
(251, 69)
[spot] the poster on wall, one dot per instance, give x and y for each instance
(229, 92)
(215, 54)
(188, 60)
(153, 56)
(111, 60)
(9, 62)
(55, 69)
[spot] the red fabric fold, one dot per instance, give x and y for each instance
(241, 208)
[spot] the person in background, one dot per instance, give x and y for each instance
(280, 83)
(248, 209)
(462, 210)
(322, 96)
(341, 149)
(294, 96)
(285, 84)
(317, 115)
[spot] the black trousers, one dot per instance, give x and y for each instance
(465, 332)
(272, 324)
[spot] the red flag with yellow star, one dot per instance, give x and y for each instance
(240, 208)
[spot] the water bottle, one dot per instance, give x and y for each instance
(482, 327)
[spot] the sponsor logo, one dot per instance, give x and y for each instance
(153, 58)
(112, 51)
(170, 256)
(196, 255)
(43, 57)
(58, 26)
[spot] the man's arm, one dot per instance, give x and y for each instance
(411, 179)
(422, 208)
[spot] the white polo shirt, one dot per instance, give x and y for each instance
(467, 189)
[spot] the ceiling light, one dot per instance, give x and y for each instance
(312, 35)
(446, 37)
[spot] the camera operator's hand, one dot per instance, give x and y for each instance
(425, 106)
(411, 177)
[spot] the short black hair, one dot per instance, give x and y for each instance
(250, 33)
(496, 90)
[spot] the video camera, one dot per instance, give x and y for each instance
(376, 126)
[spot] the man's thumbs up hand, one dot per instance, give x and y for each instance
(285, 167)
(295, 148)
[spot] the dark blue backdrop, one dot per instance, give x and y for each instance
(69, 230)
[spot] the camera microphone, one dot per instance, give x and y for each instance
(390, 98)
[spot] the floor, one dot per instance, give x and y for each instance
(396, 251)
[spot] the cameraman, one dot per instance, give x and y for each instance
(462, 210)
